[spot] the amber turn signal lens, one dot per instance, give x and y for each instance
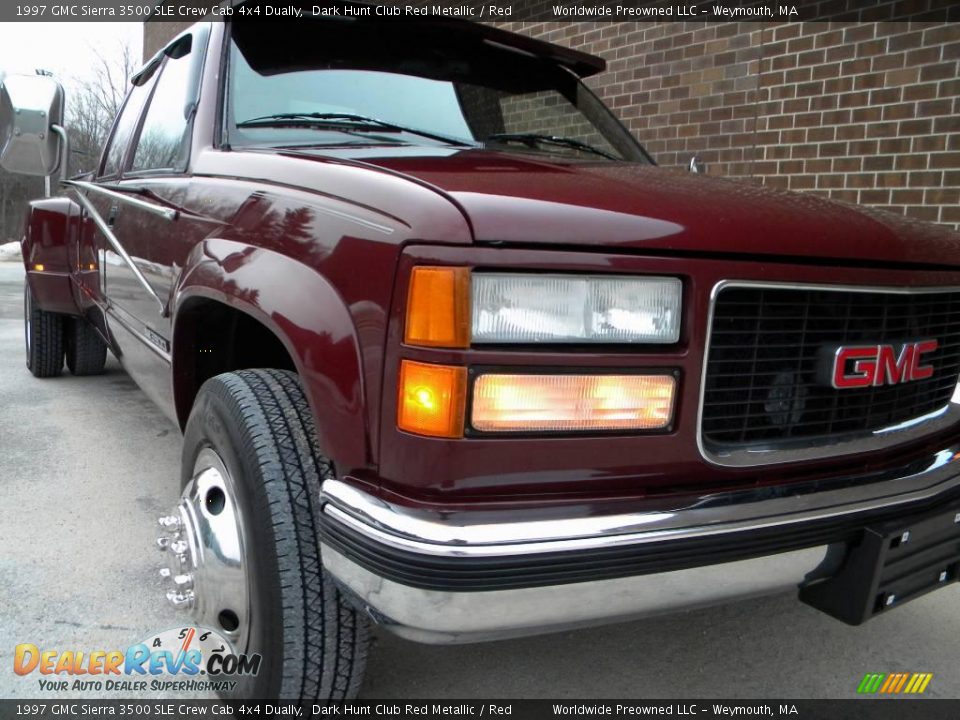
(438, 307)
(38, 267)
(432, 399)
(571, 403)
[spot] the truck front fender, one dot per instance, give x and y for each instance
(306, 314)
(51, 229)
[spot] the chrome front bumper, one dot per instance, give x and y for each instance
(461, 577)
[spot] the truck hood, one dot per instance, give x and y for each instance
(514, 198)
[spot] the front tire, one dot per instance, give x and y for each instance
(259, 426)
(43, 334)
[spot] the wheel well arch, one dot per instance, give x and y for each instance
(210, 338)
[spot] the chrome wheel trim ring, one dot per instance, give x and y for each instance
(207, 544)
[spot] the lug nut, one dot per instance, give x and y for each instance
(169, 522)
(165, 573)
(180, 600)
(183, 582)
(179, 547)
(163, 543)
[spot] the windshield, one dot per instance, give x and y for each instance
(308, 98)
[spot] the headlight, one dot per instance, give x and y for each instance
(452, 307)
(572, 403)
(529, 308)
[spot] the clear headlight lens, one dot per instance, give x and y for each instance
(530, 308)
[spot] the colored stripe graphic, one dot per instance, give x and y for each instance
(894, 683)
(871, 683)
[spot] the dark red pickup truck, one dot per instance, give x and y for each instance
(451, 354)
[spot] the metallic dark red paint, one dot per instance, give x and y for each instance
(317, 247)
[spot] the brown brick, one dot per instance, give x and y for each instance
(906, 197)
(860, 180)
(824, 102)
(902, 77)
(947, 160)
(849, 196)
(941, 196)
(909, 161)
(821, 134)
(941, 34)
(924, 56)
(949, 124)
(934, 107)
(802, 182)
(878, 162)
(872, 47)
(851, 132)
(858, 32)
(920, 92)
(818, 166)
(822, 72)
(915, 127)
(875, 197)
(833, 149)
(855, 67)
(888, 62)
(891, 179)
(841, 52)
(941, 71)
(950, 214)
(867, 114)
(854, 99)
(885, 96)
(830, 181)
(869, 81)
(847, 164)
(899, 112)
(924, 179)
(895, 146)
(906, 41)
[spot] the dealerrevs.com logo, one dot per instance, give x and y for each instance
(181, 659)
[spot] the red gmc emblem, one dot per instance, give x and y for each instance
(865, 365)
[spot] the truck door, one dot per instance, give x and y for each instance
(156, 180)
(140, 199)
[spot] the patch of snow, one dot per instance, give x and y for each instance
(10, 252)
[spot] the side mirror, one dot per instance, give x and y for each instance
(32, 139)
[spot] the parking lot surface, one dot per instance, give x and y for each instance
(87, 464)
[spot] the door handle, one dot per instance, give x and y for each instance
(112, 215)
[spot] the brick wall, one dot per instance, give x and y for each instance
(865, 112)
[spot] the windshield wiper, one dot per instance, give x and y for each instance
(348, 122)
(535, 139)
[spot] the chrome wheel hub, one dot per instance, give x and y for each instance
(204, 543)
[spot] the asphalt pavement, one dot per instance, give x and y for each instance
(87, 464)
